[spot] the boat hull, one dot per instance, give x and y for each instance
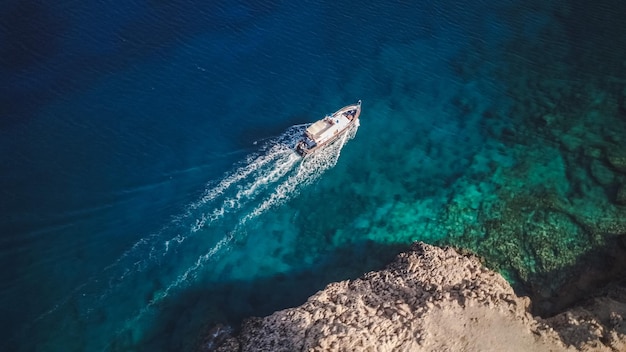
(329, 129)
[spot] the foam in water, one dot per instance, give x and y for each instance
(266, 180)
(308, 171)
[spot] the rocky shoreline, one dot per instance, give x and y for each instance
(428, 299)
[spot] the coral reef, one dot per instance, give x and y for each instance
(555, 212)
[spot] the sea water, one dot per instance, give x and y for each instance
(149, 186)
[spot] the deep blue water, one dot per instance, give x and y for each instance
(148, 188)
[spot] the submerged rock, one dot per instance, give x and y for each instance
(617, 159)
(620, 197)
(622, 102)
(602, 174)
(218, 337)
(428, 299)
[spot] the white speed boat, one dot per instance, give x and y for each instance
(328, 129)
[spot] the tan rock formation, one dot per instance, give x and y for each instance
(428, 299)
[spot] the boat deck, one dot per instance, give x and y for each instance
(328, 129)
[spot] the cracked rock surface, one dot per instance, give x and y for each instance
(428, 299)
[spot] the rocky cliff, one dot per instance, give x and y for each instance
(429, 299)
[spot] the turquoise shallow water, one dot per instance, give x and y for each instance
(149, 189)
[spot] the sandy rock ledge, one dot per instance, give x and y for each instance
(428, 299)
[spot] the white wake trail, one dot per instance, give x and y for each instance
(282, 180)
(183, 249)
(233, 191)
(309, 170)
